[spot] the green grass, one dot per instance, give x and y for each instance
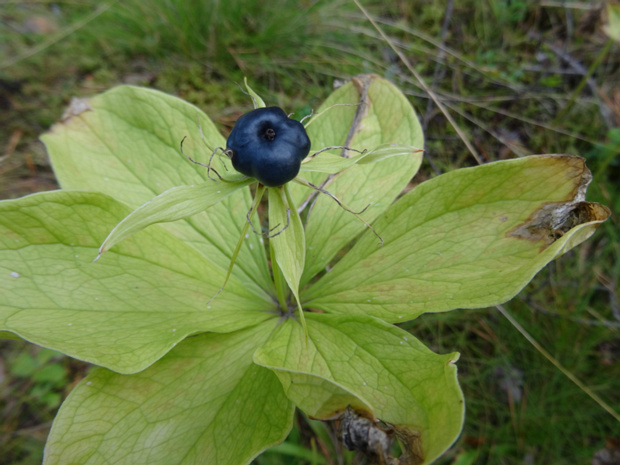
(505, 72)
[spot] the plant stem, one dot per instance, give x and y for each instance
(288, 201)
(278, 279)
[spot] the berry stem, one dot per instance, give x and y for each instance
(278, 279)
(288, 201)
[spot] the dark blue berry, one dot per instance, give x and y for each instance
(267, 145)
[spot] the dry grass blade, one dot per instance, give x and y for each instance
(593, 395)
(514, 148)
(58, 37)
(432, 53)
(422, 83)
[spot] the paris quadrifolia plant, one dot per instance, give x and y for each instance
(212, 318)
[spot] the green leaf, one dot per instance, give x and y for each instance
(205, 402)
(287, 239)
(123, 312)
(174, 204)
(332, 164)
(467, 239)
(258, 101)
(386, 117)
(378, 369)
(132, 153)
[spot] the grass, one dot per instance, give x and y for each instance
(506, 71)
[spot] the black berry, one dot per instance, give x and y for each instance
(267, 145)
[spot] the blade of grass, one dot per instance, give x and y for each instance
(442, 47)
(515, 149)
(58, 37)
(595, 64)
(557, 364)
(432, 95)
